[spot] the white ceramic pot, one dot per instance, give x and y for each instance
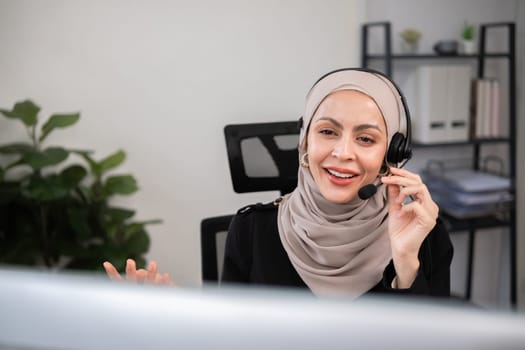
(468, 47)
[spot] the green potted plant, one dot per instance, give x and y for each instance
(468, 44)
(410, 42)
(55, 202)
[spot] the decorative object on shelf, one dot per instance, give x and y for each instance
(446, 48)
(56, 214)
(468, 45)
(410, 42)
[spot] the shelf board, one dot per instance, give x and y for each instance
(454, 224)
(461, 143)
(425, 56)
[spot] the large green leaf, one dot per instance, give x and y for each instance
(16, 148)
(58, 121)
(71, 176)
(51, 156)
(26, 111)
(47, 188)
(138, 243)
(112, 161)
(120, 184)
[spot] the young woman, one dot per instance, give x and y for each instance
(323, 236)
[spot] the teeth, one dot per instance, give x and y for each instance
(338, 174)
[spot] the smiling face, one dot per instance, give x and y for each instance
(346, 144)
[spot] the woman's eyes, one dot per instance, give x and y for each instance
(361, 138)
(366, 139)
(328, 132)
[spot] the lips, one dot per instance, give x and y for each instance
(341, 177)
(340, 174)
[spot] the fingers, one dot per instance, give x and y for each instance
(152, 272)
(131, 270)
(410, 185)
(426, 219)
(149, 275)
(111, 271)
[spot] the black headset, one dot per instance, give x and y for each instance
(400, 148)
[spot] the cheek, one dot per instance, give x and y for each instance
(317, 150)
(373, 160)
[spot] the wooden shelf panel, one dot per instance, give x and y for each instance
(454, 224)
(462, 143)
(426, 56)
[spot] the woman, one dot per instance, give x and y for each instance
(322, 235)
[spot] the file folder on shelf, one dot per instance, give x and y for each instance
(466, 193)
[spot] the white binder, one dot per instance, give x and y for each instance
(442, 103)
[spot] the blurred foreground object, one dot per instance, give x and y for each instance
(59, 311)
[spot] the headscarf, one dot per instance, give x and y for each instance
(339, 249)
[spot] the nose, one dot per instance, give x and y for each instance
(344, 149)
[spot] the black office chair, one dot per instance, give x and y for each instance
(262, 157)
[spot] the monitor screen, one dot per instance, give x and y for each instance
(62, 311)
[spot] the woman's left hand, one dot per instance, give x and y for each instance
(410, 223)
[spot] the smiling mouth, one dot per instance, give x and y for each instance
(340, 175)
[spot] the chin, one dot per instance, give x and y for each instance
(339, 198)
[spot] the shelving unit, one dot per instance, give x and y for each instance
(470, 225)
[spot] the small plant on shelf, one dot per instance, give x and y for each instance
(468, 33)
(410, 41)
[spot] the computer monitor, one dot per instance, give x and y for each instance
(61, 311)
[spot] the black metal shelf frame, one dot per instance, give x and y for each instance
(470, 225)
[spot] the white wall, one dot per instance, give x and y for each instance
(160, 79)
(442, 20)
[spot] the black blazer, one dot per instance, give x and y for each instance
(254, 255)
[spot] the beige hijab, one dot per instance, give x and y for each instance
(339, 249)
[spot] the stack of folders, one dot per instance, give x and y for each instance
(466, 193)
(485, 108)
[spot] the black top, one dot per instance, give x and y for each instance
(254, 254)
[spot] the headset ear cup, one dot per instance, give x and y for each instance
(396, 150)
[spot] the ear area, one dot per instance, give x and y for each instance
(396, 150)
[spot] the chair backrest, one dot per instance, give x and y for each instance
(263, 156)
(213, 239)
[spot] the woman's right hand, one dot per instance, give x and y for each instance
(150, 276)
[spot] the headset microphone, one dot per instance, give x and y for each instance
(367, 191)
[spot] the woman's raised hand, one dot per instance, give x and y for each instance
(149, 276)
(410, 223)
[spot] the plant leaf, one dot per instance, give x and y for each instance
(121, 184)
(112, 161)
(138, 242)
(93, 165)
(48, 157)
(78, 219)
(58, 121)
(72, 175)
(119, 214)
(9, 190)
(46, 188)
(16, 148)
(26, 111)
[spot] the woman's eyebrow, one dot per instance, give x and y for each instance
(356, 128)
(332, 120)
(362, 127)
